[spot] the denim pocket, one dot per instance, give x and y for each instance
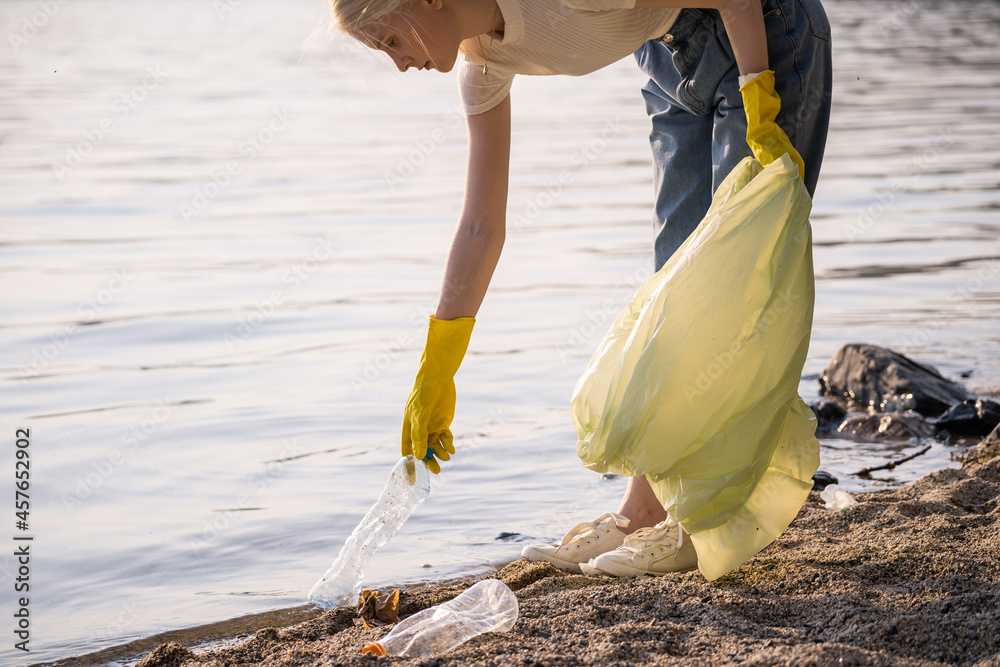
(687, 38)
(771, 8)
(692, 44)
(818, 22)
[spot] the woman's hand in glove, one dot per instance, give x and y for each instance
(767, 141)
(431, 406)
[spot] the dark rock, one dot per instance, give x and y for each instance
(868, 378)
(887, 427)
(507, 536)
(970, 418)
(822, 479)
(829, 414)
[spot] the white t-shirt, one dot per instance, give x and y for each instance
(571, 37)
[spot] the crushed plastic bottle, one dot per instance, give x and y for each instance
(489, 606)
(836, 498)
(408, 486)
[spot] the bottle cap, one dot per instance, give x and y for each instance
(373, 649)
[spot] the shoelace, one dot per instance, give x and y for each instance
(585, 529)
(634, 542)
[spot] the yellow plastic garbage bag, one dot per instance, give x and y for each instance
(696, 384)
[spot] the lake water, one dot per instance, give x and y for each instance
(220, 240)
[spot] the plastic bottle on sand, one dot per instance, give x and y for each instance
(485, 607)
(836, 498)
(408, 486)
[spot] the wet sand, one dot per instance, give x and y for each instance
(909, 576)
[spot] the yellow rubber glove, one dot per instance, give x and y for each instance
(767, 141)
(431, 407)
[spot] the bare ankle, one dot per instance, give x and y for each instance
(641, 518)
(640, 506)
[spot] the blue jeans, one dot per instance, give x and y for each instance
(694, 102)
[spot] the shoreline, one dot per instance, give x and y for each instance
(199, 635)
(203, 638)
(908, 576)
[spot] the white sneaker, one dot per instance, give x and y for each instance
(581, 544)
(648, 551)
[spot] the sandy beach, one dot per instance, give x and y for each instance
(905, 577)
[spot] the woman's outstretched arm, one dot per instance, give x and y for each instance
(472, 258)
(744, 21)
(476, 247)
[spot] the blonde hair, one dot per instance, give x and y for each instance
(353, 16)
